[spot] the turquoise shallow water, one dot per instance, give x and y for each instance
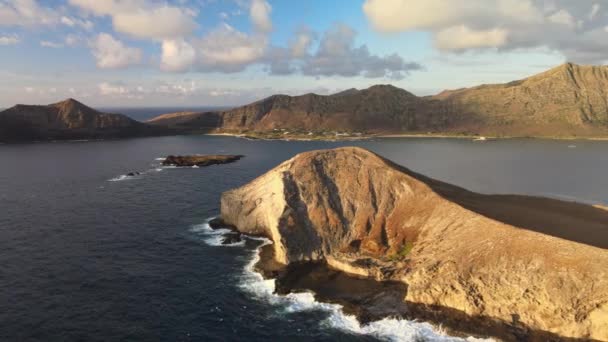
(89, 255)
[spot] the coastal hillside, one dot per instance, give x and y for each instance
(533, 265)
(68, 119)
(567, 101)
(188, 120)
(380, 108)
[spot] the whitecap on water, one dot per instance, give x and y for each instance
(121, 178)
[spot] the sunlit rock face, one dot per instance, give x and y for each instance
(453, 248)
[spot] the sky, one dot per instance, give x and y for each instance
(119, 53)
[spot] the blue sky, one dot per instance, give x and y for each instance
(230, 52)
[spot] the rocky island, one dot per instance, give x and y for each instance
(201, 160)
(514, 267)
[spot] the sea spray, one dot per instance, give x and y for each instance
(387, 329)
(215, 237)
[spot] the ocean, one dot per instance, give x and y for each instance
(88, 253)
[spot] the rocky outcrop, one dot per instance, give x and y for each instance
(516, 259)
(201, 160)
(68, 119)
(567, 101)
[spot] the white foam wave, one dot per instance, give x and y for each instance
(215, 237)
(160, 159)
(388, 329)
(121, 178)
(155, 168)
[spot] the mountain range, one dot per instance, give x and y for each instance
(567, 101)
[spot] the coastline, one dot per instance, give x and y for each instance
(486, 138)
(410, 135)
(370, 301)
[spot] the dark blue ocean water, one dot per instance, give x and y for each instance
(84, 258)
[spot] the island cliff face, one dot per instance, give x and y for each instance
(68, 119)
(566, 101)
(454, 249)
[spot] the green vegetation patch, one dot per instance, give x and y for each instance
(405, 250)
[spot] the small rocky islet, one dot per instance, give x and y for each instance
(382, 240)
(200, 160)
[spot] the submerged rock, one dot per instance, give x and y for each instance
(230, 238)
(535, 264)
(202, 160)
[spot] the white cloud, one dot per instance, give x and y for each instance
(9, 40)
(302, 42)
(76, 22)
(111, 53)
(25, 13)
(337, 55)
(72, 40)
(30, 13)
(229, 50)
(462, 37)
(159, 23)
(106, 88)
(595, 9)
(69, 40)
(569, 27)
(562, 17)
(143, 19)
(49, 44)
(177, 55)
(260, 15)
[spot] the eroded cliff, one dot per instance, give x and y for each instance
(452, 248)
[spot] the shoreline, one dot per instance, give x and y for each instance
(371, 301)
(408, 135)
(488, 138)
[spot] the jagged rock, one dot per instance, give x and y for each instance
(230, 238)
(205, 160)
(481, 255)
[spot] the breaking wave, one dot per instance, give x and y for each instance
(387, 329)
(214, 237)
